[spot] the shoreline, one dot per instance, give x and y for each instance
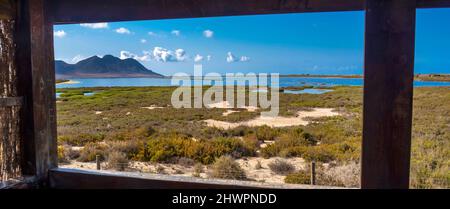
(67, 82)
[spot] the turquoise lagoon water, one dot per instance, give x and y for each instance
(283, 82)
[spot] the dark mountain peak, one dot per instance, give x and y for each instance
(110, 58)
(107, 66)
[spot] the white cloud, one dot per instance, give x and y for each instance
(143, 41)
(232, 58)
(180, 54)
(151, 33)
(198, 58)
(164, 55)
(176, 32)
(244, 59)
(208, 33)
(95, 25)
(208, 58)
(77, 58)
(59, 33)
(127, 54)
(123, 30)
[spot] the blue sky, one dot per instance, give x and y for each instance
(315, 43)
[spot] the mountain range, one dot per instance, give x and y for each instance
(107, 66)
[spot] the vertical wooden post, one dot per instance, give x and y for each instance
(388, 91)
(97, 161)
(313, 173)
(35, 63)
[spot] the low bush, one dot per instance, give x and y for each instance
(80, 139)
(91, 150)
(266, 133)
(186, 162)
(226, 168)
(198, 168)
(299, 177)
(166, 148)
(117, 161)
(281, 167)
(61, 154)
(130, 147)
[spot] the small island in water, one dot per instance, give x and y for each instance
(106, 67)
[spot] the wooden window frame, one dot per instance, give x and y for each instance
(388, 73)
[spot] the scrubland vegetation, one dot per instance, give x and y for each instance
(114, 125)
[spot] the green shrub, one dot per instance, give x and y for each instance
(299, 177)
(80, 139)
(117, 161)
(226, 168)
(130, 147)
(61, 155)
(281, 167)
(266, 133)
(319, 154)
(198, 168)
(166, 148)
(91, 150)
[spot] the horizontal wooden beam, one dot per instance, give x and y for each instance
(61, 178)
(66, 178)
(75, 11)
(433, 3)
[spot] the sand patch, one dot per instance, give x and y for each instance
(228, 112)
(264, 174)
(152, 107)
(227, 105)
(279, 121)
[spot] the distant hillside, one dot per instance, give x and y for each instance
(106, 67)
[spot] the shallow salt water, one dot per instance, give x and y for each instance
(283, 82)
(307, 91)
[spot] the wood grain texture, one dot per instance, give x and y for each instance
(37, 79)
(10, 139)
(75, 11)
(388, 91)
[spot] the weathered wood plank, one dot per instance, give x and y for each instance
(433, 3)
(66, 178)
(388, 91)
(10, 152)
(74, 11)
(37, 79)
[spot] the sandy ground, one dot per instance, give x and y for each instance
(152, 107)
(264, 174)
(227, 105)
(228, 112)
(279, 121)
